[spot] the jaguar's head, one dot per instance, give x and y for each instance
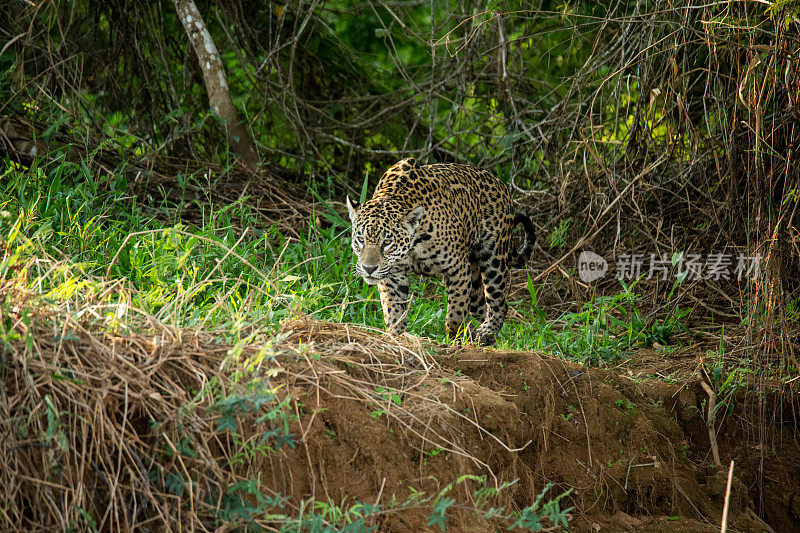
(383, 234)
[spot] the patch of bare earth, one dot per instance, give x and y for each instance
(101, 424)
(636, 452)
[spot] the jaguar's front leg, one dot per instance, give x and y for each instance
(394, 300)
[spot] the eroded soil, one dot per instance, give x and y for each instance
(381, 422)
(636, 451)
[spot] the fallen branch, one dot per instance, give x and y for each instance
(712, 404)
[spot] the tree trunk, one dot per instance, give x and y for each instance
(214, 76)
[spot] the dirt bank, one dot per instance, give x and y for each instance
(163, 431)
(636, 452)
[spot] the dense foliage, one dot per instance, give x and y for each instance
(625, 126)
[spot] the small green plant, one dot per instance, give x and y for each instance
(435, 451)
(532, 518)
(246, 500)
(87, 523)
(571, 410)
(624, 404)
(558, 237)
(685, 451)
(54, 434)
(535, 516)
(388, 395)
(351, 518)
(438, 516)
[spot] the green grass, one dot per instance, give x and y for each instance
(600, 332)
(88, 232)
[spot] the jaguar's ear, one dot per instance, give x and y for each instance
(352, 208)
(413, 217)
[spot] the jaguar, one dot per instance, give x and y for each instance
(444, 219)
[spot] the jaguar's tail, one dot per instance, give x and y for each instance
(521, 257)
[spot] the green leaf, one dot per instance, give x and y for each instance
(227, 423)
(438, 518)
(363, 195)
(332, 216)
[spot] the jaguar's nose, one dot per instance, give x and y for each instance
(370, 269)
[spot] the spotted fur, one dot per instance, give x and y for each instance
(448, 219)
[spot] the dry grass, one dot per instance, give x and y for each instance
(101, 423)
(86, 412)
